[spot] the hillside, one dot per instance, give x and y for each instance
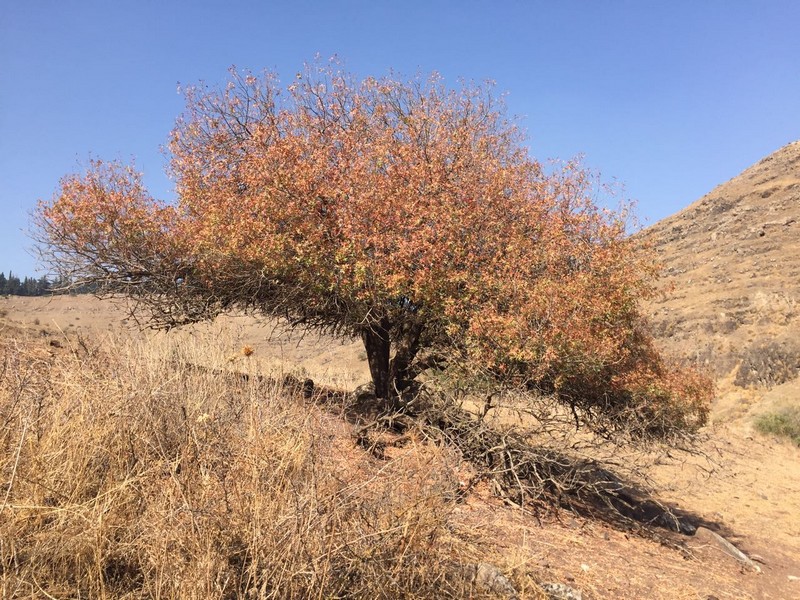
(731, 282)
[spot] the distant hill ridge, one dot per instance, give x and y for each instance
(732, 260)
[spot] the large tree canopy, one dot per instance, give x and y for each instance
(400, 211)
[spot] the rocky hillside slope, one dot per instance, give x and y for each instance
(731, 283)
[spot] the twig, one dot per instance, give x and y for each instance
(16, 465)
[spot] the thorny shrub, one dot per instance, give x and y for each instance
(769, 364)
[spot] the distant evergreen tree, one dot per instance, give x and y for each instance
(43, 286)
(13, 286)
(58, 285)
(31, 286)
(28, 286)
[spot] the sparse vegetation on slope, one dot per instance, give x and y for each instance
(784, 423)
(731, 259)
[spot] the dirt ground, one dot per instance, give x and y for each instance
(747, 488)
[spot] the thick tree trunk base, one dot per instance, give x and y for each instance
(377, 344)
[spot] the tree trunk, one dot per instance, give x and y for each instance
(406, 348)
(377, 344)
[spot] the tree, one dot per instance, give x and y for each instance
(42, 286)
(13, 285)
(402, 212)
(28, 286)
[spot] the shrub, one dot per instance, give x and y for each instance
(785, 424)
(768, 364)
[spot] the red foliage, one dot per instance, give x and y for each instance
(401, 211)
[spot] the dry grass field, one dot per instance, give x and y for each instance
(129, 475)
(139, 464)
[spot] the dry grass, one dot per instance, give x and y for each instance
(125, 475)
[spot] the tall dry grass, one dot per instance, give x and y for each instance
(126, 474)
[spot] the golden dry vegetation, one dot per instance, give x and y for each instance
(129, 474)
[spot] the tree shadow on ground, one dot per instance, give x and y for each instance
(539, 478)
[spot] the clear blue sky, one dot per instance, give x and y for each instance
(669, 98)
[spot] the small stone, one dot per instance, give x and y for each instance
(489, 578)
(559, 591)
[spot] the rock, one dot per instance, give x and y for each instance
(720, 542)
(365, 388)
(365, 403)
(365, 394)
(299, 386)
(489, 579)
(559, 591)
